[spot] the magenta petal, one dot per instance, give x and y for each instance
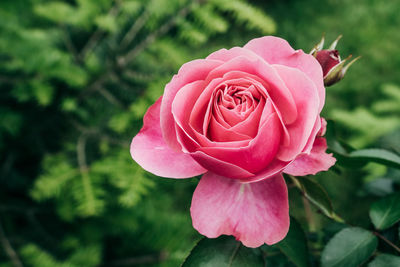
(318, 160)
(150, 151)
(255, 213)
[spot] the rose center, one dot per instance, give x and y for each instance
(237, 98)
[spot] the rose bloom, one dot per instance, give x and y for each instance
(241, 117)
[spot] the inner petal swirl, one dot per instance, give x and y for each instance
(234, 103)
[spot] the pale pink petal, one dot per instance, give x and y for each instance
(318, 160)
(255, 213)
(192, 71)
(322, 131)
(228, 54)
(150, 151)
(307, 100)
(278, 51)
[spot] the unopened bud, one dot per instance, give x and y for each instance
(333, 68)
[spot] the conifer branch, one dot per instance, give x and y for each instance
(123, 61)
(95, 38)
(135, 28)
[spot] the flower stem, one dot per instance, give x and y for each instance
(387, 241)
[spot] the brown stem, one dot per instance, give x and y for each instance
(9, 249)
(387, 241)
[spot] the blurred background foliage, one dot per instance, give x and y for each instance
(76, 77)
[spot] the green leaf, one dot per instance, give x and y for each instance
(385, 260)
(317, 195)
(377, 155)
(380, 187)
(350, 247)
(347, 156)
(385, 212)
(221, 252)
(107, 23)
(294, 246)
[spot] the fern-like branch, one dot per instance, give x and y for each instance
(123, 61)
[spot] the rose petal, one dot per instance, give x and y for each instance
(250, 125)
(277, 90)
(307, 100)
(318, 160)
(275, 167)
(216, 165)
(278, 51)
(313, 135)
(192, 71)
(182, 106)
(228, 54)
(218, 133)
(254, 213)
(150, 151)
(257, 155)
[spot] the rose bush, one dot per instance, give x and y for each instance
(241, 117)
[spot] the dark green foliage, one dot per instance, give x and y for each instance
(385, 260)
(350, 247)
(385, 212)
(76, 78)
(295, 246)
(223, 252)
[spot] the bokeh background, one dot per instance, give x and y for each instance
(76, 77)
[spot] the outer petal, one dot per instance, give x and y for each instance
(307, 101)
(192, 71)
(229, 54)
(278, 51)
(318, 160)
(149, 149)
(254, 213)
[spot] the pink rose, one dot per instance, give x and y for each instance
(241, 117)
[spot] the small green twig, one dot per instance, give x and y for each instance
(309, 215)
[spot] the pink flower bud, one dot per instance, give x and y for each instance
(328, 59)
(332, 66)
